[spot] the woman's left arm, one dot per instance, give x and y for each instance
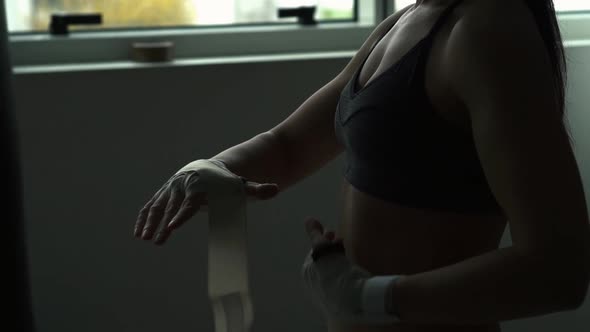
(497, 286)
(500, 69)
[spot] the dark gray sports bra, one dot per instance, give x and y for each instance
(399, 149)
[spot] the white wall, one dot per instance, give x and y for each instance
(97, 145)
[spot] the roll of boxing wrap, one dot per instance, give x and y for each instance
(228, 258)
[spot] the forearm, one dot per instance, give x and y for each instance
(496, 286)
(260, 159)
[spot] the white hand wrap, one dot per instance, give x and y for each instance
(374, 296)
(228, 259)
(346, 292)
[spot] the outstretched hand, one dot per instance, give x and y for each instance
(181, 197)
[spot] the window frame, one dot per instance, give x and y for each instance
(574, 26)
(85, 47)
(100, 47)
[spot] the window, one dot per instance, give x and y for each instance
(399, 4)
(206, 31)
(571, 5)
(34, 15)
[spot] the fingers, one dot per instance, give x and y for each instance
(330, 235)
(160, 206)
(261, 190)
(267, 190)
(173, 205)
(143, 213)
(189, 207)
(250, 188)
(176, 198)
(156, 211)
(315, 230)
(318, 235)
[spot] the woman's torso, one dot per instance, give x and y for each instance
(387, 238)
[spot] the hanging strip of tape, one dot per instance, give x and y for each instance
(228, 258)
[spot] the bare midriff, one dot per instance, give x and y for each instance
(385, 239)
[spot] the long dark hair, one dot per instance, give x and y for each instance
(546, 18)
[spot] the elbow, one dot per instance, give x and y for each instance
(580, 289)
(570, 271)
(577, 280)
(578, 297)
(567, 279)
(583, 268)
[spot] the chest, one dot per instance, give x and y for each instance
(397, 43)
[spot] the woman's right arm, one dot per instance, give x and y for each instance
(280, 157)
(305, 141)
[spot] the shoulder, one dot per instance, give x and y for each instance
(493, 23)
(494, 44)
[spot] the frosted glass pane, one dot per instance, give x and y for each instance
(34, 15)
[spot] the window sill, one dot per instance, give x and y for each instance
(96, 47)
(574, 26)
(111, 50)
(130, 65)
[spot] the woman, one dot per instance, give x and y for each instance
(451, 118)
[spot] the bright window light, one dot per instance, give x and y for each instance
(34, 15)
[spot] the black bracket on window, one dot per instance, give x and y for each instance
(60, 22)
(305, 14)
